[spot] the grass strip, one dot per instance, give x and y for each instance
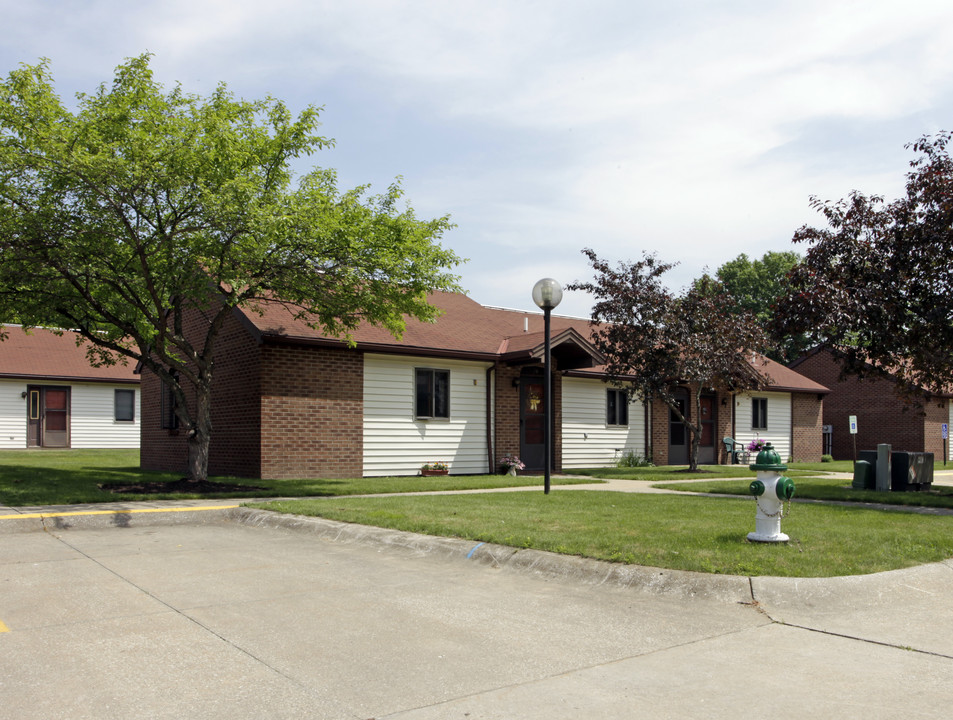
(66, 477)
(676, 472)
(665, 531)
(828, 489)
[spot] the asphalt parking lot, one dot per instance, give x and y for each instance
(239, 614)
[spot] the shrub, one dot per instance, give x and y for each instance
(631, 458)
(827, 458)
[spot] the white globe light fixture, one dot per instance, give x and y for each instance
(547, 294)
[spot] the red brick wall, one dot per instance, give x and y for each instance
(159, 449)
(937, 413)
(235, 409)
(807, 416)
(312, 412)
(724, 405)
(236, 405)
(659, 418)
(882, 417)
(506, 403)
(659, 435)
(506, 399)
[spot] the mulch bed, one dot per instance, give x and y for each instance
(179, 486)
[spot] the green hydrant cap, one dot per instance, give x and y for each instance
(768, 459)
(785, 488)
(756, 487)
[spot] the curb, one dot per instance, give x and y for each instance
(682, 583)
(119, 518)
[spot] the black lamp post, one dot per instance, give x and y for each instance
(546, 294)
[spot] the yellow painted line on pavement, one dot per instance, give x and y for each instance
(3, 628)
(19, 516)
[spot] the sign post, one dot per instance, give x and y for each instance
(853, 431)
(945, 432)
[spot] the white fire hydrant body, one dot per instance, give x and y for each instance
(769, 490)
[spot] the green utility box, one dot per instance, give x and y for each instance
(864, 478)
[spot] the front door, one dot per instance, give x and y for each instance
(48, 410)
(678, 436)
(532, 422)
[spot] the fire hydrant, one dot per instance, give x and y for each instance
(769, 490)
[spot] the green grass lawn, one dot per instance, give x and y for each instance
(665, 531)
(827, 488)
(65, 477)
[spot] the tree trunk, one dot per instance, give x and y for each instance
(200, 435)
(696, 431)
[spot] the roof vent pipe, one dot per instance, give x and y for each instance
(525, 324)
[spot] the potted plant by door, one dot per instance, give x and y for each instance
(509, 464)
(434, 468)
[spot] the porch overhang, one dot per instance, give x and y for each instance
(569, 349)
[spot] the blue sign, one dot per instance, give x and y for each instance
(945, 430)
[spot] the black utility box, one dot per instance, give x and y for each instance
(911, 471)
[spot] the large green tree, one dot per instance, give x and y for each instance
(755, 286)
(876, 284)
(144, 208)
(655, 341)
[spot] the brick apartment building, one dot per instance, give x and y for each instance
(882, 415)
(288, 401)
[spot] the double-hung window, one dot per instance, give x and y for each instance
(431, 393)
(124, 406)
(759, 413)
(617, 407)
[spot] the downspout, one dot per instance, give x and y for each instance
(489, 417)
(647, 433)
(734, 435)
(791, 446)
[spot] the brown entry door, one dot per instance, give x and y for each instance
(532, 423)
(48, 411)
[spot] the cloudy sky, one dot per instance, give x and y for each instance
(693, 129)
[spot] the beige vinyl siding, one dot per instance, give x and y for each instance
(92, 417)
(588, 441)
(779, 421)
(12, 415)
(397, 443)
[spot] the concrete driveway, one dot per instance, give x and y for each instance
(240, 614)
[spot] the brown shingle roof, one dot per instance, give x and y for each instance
(466, 328)
(784, 378)
(43, 355)
(469, 329)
